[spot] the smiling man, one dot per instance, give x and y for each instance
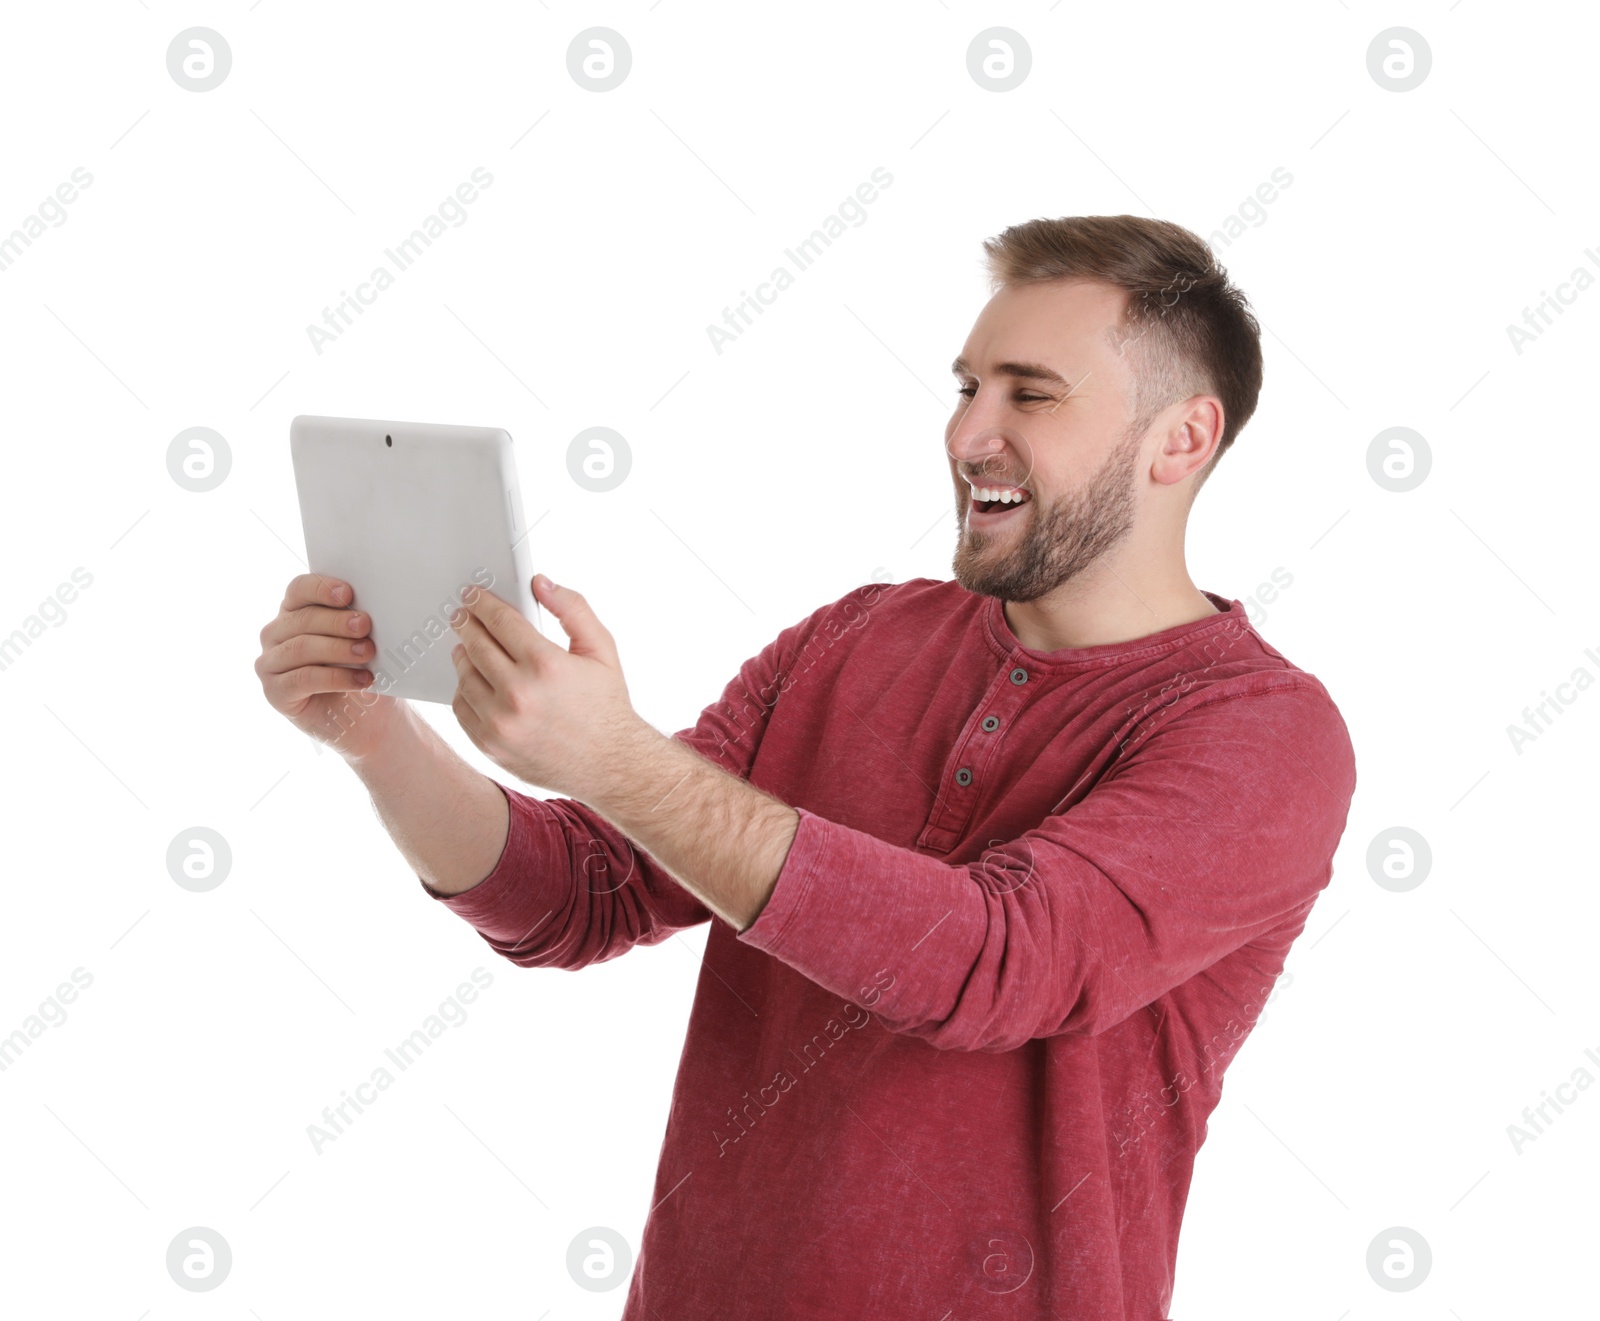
(1000, 871)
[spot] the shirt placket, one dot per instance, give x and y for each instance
(973, 756)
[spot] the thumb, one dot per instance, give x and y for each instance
(588, 636)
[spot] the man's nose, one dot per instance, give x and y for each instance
(972, 446)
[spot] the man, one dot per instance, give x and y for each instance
(999, 871)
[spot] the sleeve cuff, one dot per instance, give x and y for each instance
(792, 890)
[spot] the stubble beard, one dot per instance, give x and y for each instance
(1056, 544)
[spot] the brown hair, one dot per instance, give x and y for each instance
(1191, 329)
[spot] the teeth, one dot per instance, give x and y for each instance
(1007, 495)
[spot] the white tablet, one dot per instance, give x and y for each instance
(408, 513)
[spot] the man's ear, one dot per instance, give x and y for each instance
(1191, 439)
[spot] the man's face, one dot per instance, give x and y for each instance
(1066, 443)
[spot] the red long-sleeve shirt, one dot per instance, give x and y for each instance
(1035, 902)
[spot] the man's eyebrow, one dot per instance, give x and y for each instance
(1027, 371)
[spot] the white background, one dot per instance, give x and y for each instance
(177, 1093)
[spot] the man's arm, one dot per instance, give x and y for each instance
(1219, 829)
(448, 821)
(562, 719)
(720, 838)
(546, 883)
(569, 888)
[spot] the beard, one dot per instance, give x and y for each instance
(1055, 544)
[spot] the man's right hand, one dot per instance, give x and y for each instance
(305, 652)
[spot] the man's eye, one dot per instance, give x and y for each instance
(967, 391)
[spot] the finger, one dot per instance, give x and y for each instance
(589, 637)
(317, 589)
(471, 686)
(294, 686)
(463, 664)
(505, 624)
(313, 649)
(316, 619)
(483, 651)
(471, 701)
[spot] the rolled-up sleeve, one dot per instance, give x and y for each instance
(569, 890)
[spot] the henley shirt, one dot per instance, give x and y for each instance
(961, 1063)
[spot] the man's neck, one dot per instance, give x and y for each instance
(1110, 609)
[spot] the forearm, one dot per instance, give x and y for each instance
(719, 837)
(448, 820)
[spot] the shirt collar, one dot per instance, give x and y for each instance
(1231, 618)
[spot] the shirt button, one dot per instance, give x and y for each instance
(963, 776)
(1019, 675)
(991, 723)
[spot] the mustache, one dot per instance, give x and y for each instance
(988, 479)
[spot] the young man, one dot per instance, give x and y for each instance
(1002, 869)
